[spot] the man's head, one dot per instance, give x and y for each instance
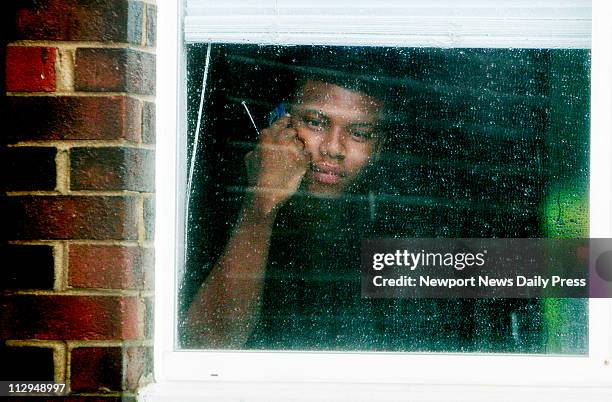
(341, 130)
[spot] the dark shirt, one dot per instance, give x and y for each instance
(312, 293)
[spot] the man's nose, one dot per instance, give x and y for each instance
(333, 143)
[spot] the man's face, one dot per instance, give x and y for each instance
(340, 130)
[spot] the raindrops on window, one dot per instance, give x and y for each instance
(380, 142)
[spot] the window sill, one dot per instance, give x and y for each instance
(276, 391)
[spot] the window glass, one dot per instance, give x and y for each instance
(379, 142)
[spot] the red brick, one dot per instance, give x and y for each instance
(114, 168)
(151, 24)
(30, 68)
(100, 69)
(27, 168)
(110, 267)
(72, 118)
(149, 315)
(121, 70)
(96, 20)
(133, 120)
(95, 369)
(149, 218)
(70, 317)
(138, 363)
(26, 267)
(148, 123)
(70, 217)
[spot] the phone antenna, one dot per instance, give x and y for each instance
(250, 116)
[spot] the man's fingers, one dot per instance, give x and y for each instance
(274, 132)
(281, 123)
(298, 140)
(279, 126)
(288, 134)
(265, 136)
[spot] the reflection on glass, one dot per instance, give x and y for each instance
(374, 143)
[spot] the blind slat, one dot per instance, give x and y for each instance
(446, 23)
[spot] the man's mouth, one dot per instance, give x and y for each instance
(326, 174)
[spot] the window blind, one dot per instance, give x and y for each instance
(420, 23)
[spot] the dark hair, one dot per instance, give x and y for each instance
(357, 68)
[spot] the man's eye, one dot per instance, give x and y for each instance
(362, 135)
(314, 124)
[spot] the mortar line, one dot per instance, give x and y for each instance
(68, 144)
(62, 167)
(125, 243)
(80, 193)
(65, 262)
(72, 45)
(60, 363)
(65, 70)
(129, 343)
(97, 94)
(83, 292)
(58, 261)
(68, 367)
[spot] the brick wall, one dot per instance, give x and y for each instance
(77, 167)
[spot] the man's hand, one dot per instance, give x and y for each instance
(276, 166)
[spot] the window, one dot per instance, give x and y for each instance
(543, 66)
(472, 143)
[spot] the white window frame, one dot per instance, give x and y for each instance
(255, 375)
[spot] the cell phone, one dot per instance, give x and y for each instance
(279, 111)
